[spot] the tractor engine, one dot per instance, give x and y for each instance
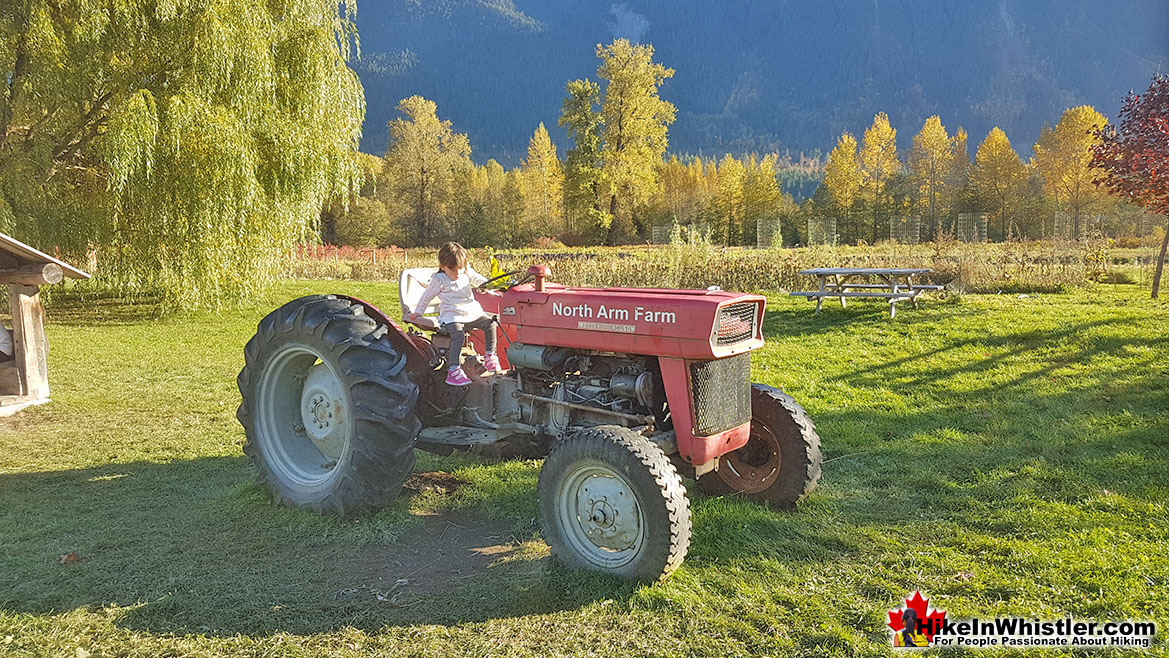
(557, 388)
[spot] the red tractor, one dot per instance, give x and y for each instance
(621, 389)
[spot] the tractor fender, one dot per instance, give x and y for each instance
(417, 356)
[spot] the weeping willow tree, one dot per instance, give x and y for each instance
(188, 143)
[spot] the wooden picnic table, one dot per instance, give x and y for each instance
(894, 284)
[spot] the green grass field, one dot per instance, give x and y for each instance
(1002, 454)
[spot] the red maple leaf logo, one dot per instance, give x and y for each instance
(930, 618)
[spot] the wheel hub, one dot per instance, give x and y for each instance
(755, 466)
(321, 411)
(602, 514)
(607, 512)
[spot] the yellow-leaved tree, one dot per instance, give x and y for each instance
(958, 178)
(635, 126)
(424, 160)
(682, 189)
(999, 178)
(543, 185)
(728, 201)
(931, 160)
(842, 175)
(762, 198)
(503, 206)
(879, 163)
(582, 163)
(1063, 158)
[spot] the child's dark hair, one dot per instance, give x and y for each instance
(452, 256)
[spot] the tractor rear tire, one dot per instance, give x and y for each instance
(327, 408)
(611, 501)
(780, 465)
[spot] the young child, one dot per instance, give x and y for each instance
(457, 309)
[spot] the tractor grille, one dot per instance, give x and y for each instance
(721, 390)
(736, 323)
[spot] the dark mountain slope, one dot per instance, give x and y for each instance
(764, 74)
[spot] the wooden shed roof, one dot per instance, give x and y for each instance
(13, 252)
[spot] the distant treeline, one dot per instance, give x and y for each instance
(612, 187)
(868, 185)
(616, 184)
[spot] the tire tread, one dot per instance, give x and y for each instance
(599, 442)
(792, 487)
(381, 454)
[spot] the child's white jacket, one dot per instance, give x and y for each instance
(456, 299)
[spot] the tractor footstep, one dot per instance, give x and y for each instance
(458, 436)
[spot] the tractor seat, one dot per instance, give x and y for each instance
(411, 285)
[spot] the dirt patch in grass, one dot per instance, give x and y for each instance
(446, 553)
(436, 481)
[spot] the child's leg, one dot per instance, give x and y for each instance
(487, 324)
(458, 337)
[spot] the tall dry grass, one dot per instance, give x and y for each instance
(961, 267)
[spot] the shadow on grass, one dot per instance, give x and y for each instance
(977, 439)
(194, 547)
(804, 321)
(1011, 345)
(77, 307)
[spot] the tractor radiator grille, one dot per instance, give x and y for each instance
(721, 390)
(736, 323)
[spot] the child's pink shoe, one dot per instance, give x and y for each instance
(456, 377)
(491, 363)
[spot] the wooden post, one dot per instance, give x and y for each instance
(28, 338)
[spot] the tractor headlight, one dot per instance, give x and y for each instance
(736, 323)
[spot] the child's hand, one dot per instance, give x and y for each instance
(412, 317)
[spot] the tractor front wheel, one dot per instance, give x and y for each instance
(327, 407)
(611, 501)
(780, 465)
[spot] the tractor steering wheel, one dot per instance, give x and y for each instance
(522, 280)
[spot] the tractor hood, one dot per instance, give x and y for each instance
(692, 324)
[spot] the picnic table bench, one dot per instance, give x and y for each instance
(889, 283)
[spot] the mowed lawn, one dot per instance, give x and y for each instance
(1001, 454)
